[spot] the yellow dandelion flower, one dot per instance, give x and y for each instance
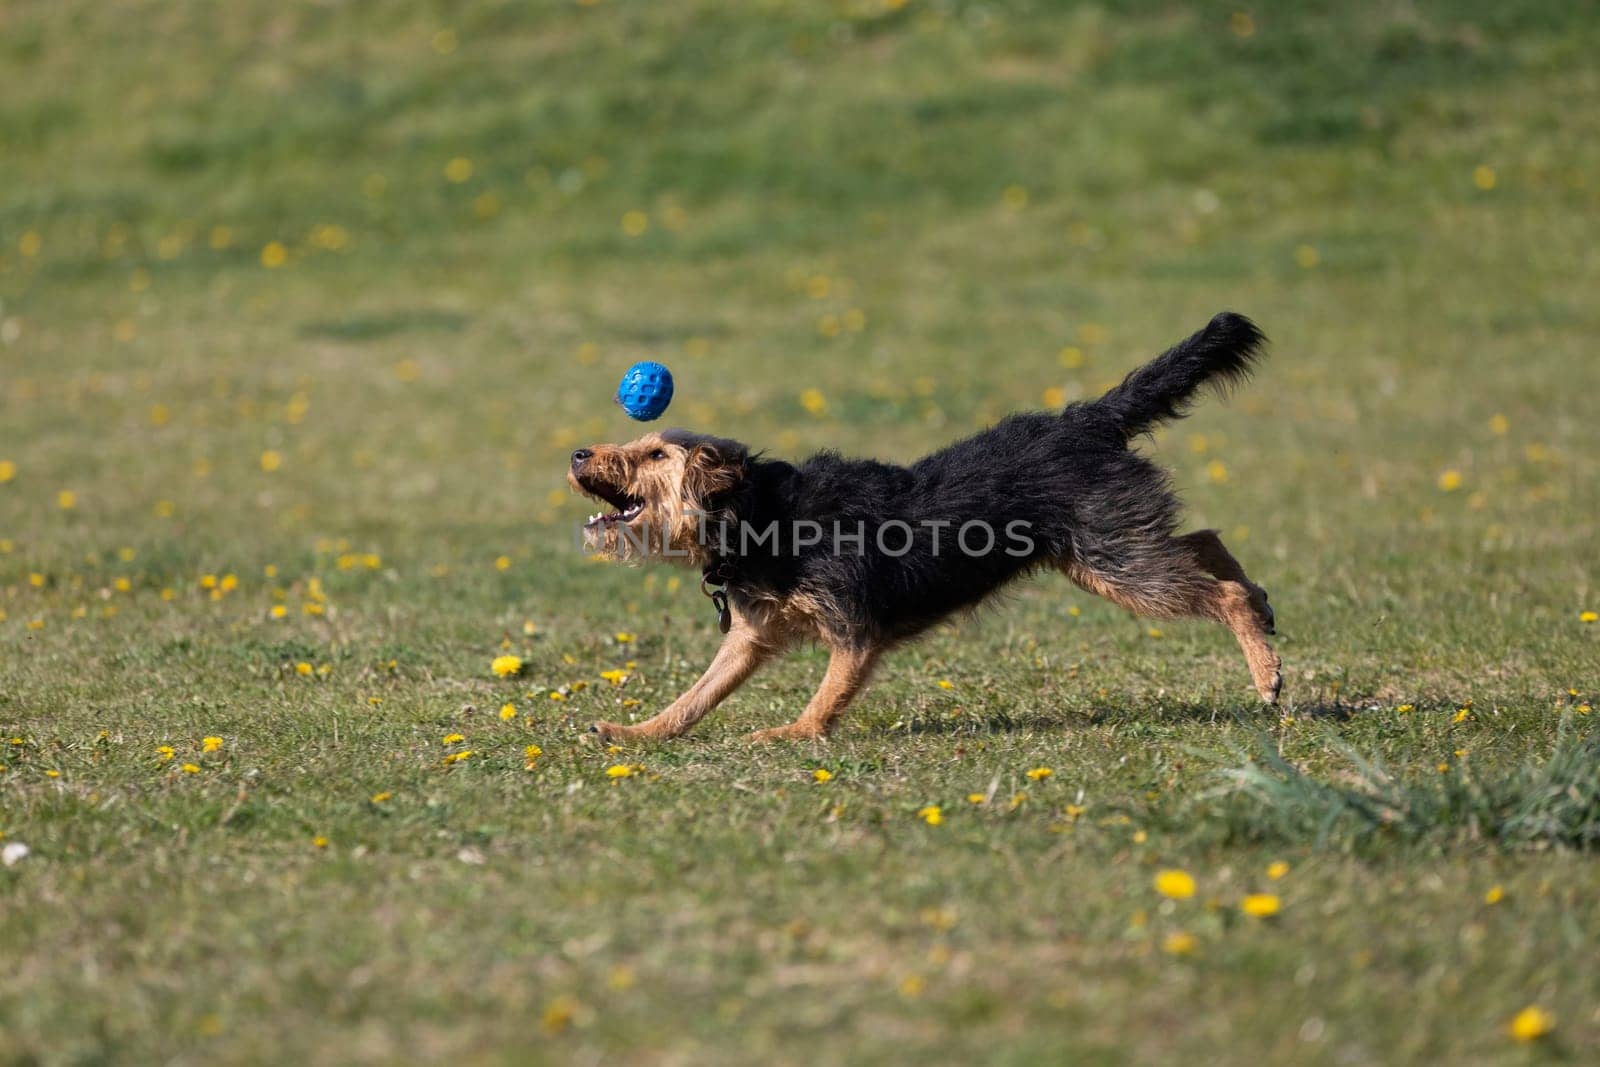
(379, 798)
(532, 752)
(1450, 480)
(274, 255)
(304, 669)
(1053, 396)
(508, 712)
(977, 798)
(1530, 1024)
(191, 768)
(623, 637)
(1175, 884)
(8, 470)
(122, 585)
(556, 694)
(1588, 616)
(457, 757)
(1484, 177)
(614, 677)
(1260, 905)
(619, 770)
(814, 402)
(1179, 943)
(933, 815)
(1495, 895)
(165, 752)
(635, 223)
(1461, 715)
(506, 666)
(452, 739)
(1040, 773)
(229, 583)
(458, 170)
(210, 744)
(57, 774)
(945, 683)
(319, 842)
(1306, 257)
(278, 611)
(1217, 471)
(1014, 197)
(822, 775)
(66, 500)
(271, 460)
(502, 563)
(1277, 869)
(560, 1012)
(1140, 837)
(1404, 709)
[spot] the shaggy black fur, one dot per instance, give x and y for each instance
(1086, 503)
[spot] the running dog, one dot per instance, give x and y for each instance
(863, 555)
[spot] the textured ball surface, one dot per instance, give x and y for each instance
(646, 390)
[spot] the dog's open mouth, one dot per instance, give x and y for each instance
(628, 507)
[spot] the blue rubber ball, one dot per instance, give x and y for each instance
(646, 390)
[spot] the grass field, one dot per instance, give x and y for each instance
(302, 306)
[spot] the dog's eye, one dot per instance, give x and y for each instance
(658, 454)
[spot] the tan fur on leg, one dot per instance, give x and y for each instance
(1234, 608)
(1214, 556)
(848, 670)
(742, 652)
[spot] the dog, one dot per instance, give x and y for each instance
(911, 545)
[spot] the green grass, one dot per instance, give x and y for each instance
(1403, 196)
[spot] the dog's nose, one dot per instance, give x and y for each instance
(579, 456)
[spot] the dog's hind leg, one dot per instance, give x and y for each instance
(1191, 576)
(742, 652)
(848, 669)
(1214, 556)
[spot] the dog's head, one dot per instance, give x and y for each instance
(660, 492)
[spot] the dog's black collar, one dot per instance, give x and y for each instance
(714, 580)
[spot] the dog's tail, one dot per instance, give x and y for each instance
(1222, 355)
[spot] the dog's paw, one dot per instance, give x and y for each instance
(609, 731)
(1271, 686)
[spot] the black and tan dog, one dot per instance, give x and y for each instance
(863, 555)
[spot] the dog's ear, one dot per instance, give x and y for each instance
(713, 468)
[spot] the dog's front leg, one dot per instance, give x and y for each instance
(848, 669)
(742, 652)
